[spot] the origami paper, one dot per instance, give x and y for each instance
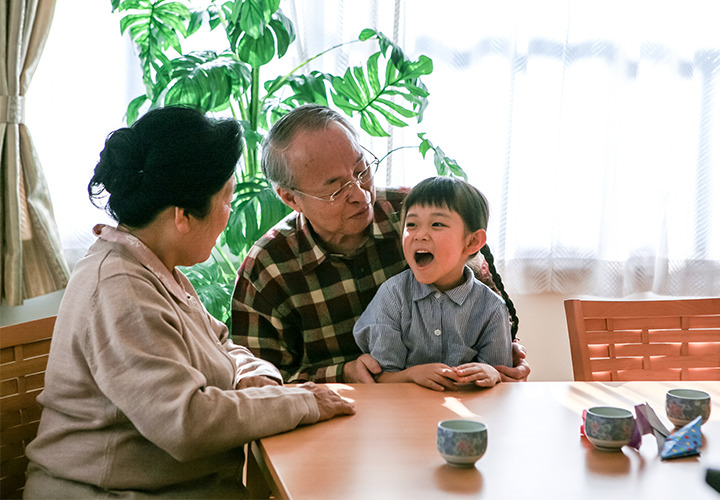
(647, 422)
(685, 442)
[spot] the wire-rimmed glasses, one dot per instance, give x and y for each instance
(362, 179)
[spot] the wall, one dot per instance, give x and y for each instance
(35, 308)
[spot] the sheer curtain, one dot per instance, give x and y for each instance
(79, 95)
(592, 127)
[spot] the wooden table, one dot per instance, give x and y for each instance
(387, 450)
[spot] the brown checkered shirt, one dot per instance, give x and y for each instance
(295, 303)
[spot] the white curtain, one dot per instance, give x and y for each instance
(592, 126)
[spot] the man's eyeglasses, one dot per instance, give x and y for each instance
(361, 179)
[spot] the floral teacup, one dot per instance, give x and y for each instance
(461, 442)
(683, 405)
(609, 428)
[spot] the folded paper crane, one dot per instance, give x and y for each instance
(684, 442)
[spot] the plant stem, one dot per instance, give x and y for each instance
(305, 63)
(395, 149)
(251, 165)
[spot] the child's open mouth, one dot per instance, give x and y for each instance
(423, 258)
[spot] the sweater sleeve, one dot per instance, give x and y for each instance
(143, 355)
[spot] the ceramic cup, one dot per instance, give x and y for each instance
(609, 428)
(461, 442)
(683, 405)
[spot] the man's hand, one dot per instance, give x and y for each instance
(256, 381)
(521, 369)
(362, 370)
(329, 402)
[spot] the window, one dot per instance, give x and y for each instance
(592, 127)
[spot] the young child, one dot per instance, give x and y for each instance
(435, 324)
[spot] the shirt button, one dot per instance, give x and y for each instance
(438, 332)
(438, 295)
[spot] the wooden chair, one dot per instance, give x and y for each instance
(24, 352)
(644, 340)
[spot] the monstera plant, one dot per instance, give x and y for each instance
(386, 91)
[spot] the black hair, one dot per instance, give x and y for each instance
(472, 206)
(171, 157)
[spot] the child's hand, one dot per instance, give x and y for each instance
(435, 376)
(480, 373)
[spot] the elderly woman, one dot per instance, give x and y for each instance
(145, 395)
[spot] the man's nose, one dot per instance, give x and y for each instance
(357, 191)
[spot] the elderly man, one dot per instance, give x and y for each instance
(303, 285)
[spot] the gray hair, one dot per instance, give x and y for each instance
(306, 117)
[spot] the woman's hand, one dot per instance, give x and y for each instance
(481, 374)
(329, 402)
(520, 370)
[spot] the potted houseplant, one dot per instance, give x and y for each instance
(386, 91)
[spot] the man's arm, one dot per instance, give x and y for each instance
(259, 325)
(520, 369)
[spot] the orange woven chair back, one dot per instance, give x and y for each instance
(644, 340)
(24, 352)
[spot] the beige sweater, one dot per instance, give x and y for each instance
(140, 386)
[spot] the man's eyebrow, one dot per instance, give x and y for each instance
(328, 182)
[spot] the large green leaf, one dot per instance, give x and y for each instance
(206, 79)
(154, 26)
(256, 209)
(257, 30)
(257, 51)
(214, 281)
(444, 165)
(391, 99)
(306, 89)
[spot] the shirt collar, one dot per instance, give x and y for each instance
(385, 225)
(146, 257)
(457, 294)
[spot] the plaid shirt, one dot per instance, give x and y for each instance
(295, 304)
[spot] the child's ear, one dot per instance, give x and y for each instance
(476, 240)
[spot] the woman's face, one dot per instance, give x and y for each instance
(205, 231)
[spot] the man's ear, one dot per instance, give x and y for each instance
(289, 198)
(182, 220)
(476, 241)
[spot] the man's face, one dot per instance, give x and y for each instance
(322, 161)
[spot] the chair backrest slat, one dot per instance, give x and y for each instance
(644, 340)
(24, 350)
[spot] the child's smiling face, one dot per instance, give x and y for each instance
(437, 245)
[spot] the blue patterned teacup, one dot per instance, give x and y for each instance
(461, 442)
(683, 405)
(609, 428)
